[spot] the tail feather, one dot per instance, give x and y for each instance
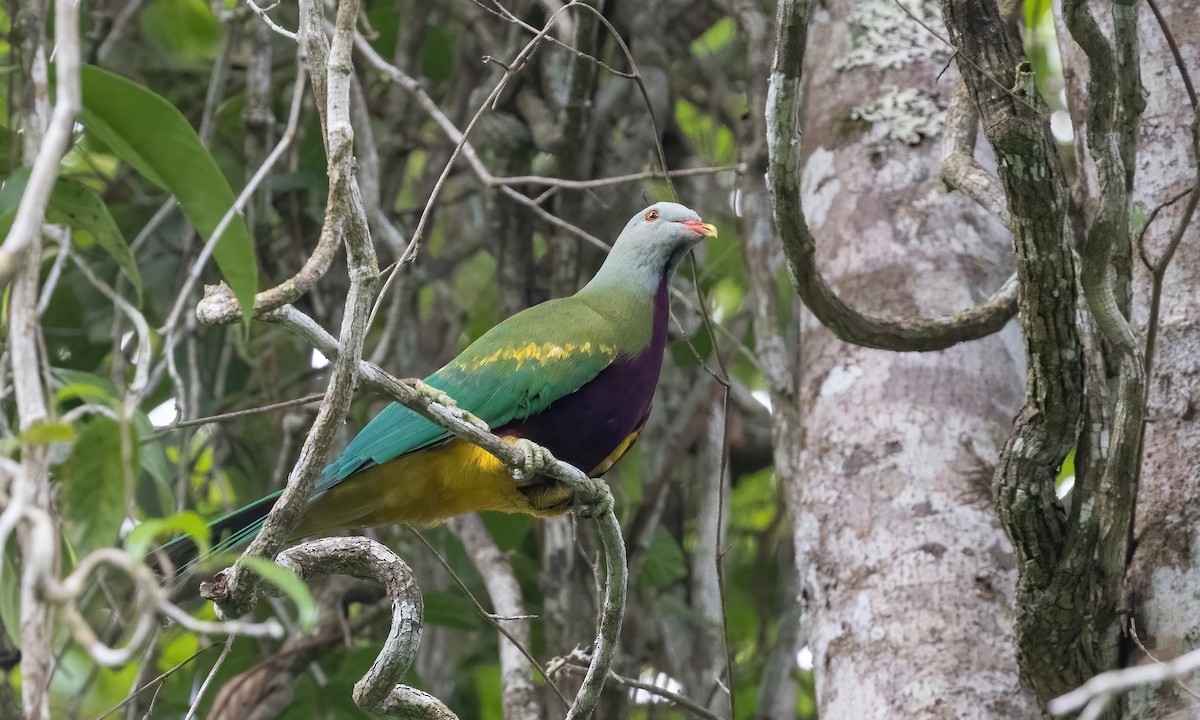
(225, 533)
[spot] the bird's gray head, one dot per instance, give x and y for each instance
(651, 245)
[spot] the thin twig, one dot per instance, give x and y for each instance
(191, 713)
(234, 414)
(156, 681)
(492, 620)
(682, 701)
(275, 27)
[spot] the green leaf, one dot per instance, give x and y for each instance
(150, 134)
(81, 391)
(438, 54)
(10, 195)
(450, 609)
(186, 523)
(78, 206)
(186, 31)
(46, 432)
(715, 39)
(1067, 470)
(293, 586)
(10, 591)
(93, 493)
(665, 563)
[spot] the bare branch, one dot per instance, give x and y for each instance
(68, 101)
(960, 169)
(1110, 451)
(1095, 694)
(576, 662)
(191, 713)
(379, 690)
(1016, 124)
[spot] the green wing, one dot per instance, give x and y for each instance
(515, 370)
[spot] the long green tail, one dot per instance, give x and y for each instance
(225, 533)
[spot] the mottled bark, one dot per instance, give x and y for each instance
(1165, 572)
(906, 577)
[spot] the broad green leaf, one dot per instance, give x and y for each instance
(187, 523)
(150, 134)
(10, 194)
(78, 206)
(293, 586)
(92, 498)
(664, 563)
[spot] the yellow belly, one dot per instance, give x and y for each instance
(427, 486)
(424, 488)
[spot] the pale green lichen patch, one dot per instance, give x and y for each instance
(884, 36)
(905, 115)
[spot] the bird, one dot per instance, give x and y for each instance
(575, 375)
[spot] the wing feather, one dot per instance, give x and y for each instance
(515, 370)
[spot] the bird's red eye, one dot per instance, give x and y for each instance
(652, 215)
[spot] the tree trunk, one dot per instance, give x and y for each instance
(907, 580)
(1165, 570)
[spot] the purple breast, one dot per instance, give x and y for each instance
(586, 426)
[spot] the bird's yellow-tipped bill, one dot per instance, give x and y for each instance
(703, 228)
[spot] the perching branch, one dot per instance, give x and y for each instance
(344, 210)
(799, 246)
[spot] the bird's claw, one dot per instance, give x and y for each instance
(593, 499)
(536, 459)
(441, 398)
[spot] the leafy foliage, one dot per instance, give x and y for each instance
(150, 134)
(92, 498)
(484, 257)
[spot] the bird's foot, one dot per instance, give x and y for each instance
(593, 499)
(432, 394)
(537, 459)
